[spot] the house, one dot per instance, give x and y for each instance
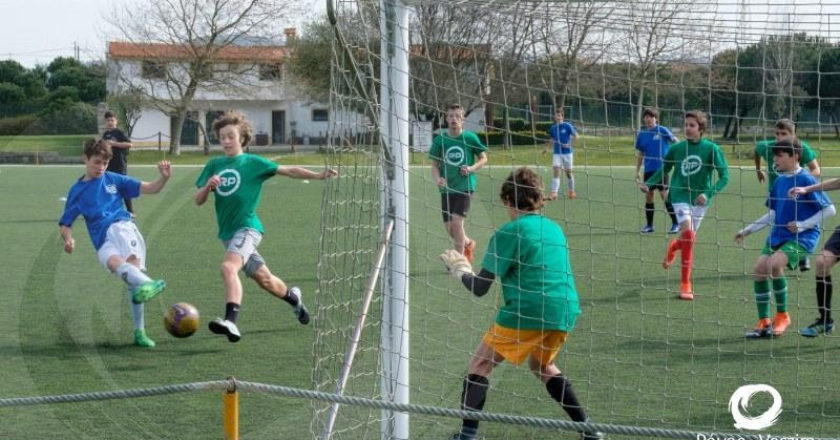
(262, 90)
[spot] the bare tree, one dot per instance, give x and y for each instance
(129, 107)
(184, 42)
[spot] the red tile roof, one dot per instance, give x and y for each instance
(119, 49)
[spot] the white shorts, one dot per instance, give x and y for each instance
(244, 243)
(123, 240)
(563, 161)
(684, 211)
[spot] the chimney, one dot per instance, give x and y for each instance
(291, 34)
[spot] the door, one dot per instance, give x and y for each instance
(278, 126)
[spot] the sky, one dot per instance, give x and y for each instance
(36, 31)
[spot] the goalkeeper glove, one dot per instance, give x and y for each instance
(456, 263)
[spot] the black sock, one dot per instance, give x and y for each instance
(649, 210)
(560, 390)
(670, 208)
(473, 396)
(824, 289)
(291, 298)
(231, 311)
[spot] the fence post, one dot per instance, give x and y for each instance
(230, 412)
(158, 141)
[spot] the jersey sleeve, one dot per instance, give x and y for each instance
(71, 210)
(205, 175)
(722, 169)
(637, 142)
(808, 154)
(265, 168)
(475, 144)
(501, 252)
(669, 136)
(572, 130)
(121, 137)
(436, 151)
(128, 187)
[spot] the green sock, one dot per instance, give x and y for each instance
(762, 298)
(780, 293)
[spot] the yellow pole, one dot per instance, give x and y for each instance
(230, 413)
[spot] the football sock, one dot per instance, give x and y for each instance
(136, 312)
(555, 184)
(560, 390)
(131, 275)
(687, 247)
(231, 311)
(571, 182)
(762, 298)
(670, 208)
(472, 398)
(649, 209)
(824, 289)
(780, 293)
(291, 298)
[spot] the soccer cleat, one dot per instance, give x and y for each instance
(221, 326)
(572, 194)
(595, 435)
(671, 254)
(686, 291)
(780, 323)
(147, 291)
(553, 195)
(764, 329)
(817, 328)
(805, 264)
(675, 229)
(141, 340)
(301, 313)
(647, 229)
(466, 434)
(468, 250)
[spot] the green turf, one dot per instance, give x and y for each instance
(638, 355)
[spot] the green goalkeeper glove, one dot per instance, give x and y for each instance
(456, 263)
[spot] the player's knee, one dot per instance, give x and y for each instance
(823, 264)
(228, 269)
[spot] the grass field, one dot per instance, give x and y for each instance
(638, 355)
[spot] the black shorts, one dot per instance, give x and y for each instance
(658, 186)
(454, 203)
(833, 243)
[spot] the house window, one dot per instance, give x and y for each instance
(270, 72)
(320, 115)
(154, 69)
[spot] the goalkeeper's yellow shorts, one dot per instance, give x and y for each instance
(516, 345)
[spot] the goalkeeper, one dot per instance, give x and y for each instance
(531, 257)
(795, 231)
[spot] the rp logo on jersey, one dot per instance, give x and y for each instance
(691, 165)
(455, 156)
(230, 180)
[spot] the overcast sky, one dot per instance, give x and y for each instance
(36, 31)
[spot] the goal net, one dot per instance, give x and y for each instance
(639, 357)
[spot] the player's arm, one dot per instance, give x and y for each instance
(67, 235)
(439, 181)
(482, 160)
(814, 220)
(640, 157)
(461, 269)
(121, 145)
(204, 191)
(303, 173)
(828, 185)
(814, 168)
(758, 171)
(165, 170)
(762, 222)
(722, 169)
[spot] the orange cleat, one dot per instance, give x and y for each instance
(764, 329)
(572, 194)
(686, 291)
(780, 323)
(553, 195)
(468, 250)
(671, 254)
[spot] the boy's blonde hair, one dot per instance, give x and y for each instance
(237, 118)
(786, 124)
(698, 116)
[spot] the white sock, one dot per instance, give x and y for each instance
(571, 182)
(136, 313)
(131, 275)
(555, 184)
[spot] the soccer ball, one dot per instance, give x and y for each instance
(181, 320)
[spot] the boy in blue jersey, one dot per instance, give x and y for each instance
(825, 261)
(561, 134)
(98, 197)
(651, 145)
(795, 231)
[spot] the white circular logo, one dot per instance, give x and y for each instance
(230, 182)
(740, 400)
(455, 156)
(691, 165)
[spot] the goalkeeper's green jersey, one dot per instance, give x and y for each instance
(764, 149)
(693, 164)
(238, 196)
(530, 257)
(451, 153)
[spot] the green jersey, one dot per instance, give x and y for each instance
(450, 154)
(530, 255)
(693, 164)
(764, 149)
(238, 196)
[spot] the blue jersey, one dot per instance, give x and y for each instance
(653, 144)
(795, 209)
(100, 202)
(561, 133)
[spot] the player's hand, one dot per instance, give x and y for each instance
(165, 168)
(791, 226)
(644, 188)
(214, 182)
(545, 151)
(739, 238)
(330, 172)
(456, 263)
(797, 191)
(700, 200)
(441, 182)
(465, 170)
(69, 245)
(761, 175)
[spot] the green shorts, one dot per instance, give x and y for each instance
(794, 251)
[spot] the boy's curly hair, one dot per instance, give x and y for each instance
(523, 190)
(237, 118)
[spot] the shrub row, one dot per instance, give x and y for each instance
(78, 118)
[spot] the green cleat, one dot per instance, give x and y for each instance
(147, 291)
(141, 340)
